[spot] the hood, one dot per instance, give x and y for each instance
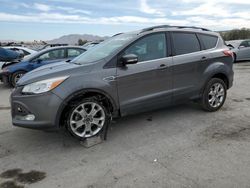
(8, 55)
(52, 71)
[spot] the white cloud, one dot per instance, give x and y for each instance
(242, 2)
(47, 8)
(72, 10)
(61, 18)
(42, 7)
(207, 9)
(145, 8)
(214, 14)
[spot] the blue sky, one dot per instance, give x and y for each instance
(48, 19)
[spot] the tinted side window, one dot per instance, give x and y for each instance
(74, 52)
(245, 43)
(149, 48)
(185, 43)
(53, 54)
(208, 41)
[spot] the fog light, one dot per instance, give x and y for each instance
(29, 117)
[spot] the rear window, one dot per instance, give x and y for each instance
(185, 43)
(208, 41)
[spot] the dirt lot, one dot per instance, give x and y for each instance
(181, 146)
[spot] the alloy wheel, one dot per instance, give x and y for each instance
(216, 95)
(87, 119)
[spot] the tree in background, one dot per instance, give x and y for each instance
(82, 42)
(236, 34)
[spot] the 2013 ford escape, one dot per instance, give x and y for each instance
(126, 74)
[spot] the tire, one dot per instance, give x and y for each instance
(90, 123)
(15, 77)
(235, 58)
(214, 95)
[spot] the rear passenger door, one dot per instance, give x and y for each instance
(187, 57)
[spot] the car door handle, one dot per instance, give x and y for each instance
(110, 78)
(203, 58)
(162, 67)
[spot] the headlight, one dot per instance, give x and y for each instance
(43, 86)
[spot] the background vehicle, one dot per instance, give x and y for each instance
(51, 46)
(126, 74)
(90, 45)
(14, 72)
(22, 50)
(7, 56)
(240, 48)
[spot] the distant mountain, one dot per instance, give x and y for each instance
(73, 39)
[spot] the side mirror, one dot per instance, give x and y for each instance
(129, 59)
(38, 61)
(240, 47)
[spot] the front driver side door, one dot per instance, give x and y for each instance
(52, 56)
(146, 85)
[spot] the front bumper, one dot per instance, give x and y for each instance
(43, 107)
(4, 77)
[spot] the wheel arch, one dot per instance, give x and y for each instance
(221, 76)
(84, 93)
(14, 72)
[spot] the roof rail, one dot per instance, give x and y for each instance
(170, 26)
(117, 34)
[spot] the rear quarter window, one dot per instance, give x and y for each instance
(209, 41)
(185, 43)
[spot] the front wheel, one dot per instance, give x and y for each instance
(214, 95)
(87, 118)
(16, 76)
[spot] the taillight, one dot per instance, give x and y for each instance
(228, 53)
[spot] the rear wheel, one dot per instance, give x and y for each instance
(214, 95)
(16, 76)
(87, 118)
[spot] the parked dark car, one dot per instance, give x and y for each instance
(12, 73)
(21, 50)
(7, 55)
(126, 74)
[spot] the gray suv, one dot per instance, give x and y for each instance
(126, 74)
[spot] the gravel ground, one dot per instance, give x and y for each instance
(181, 146)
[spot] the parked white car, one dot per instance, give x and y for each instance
(240, 48)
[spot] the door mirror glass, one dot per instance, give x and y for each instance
(39, 61)
(240, 47)
(129, 59)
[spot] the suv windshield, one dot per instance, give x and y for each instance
(104, 49)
